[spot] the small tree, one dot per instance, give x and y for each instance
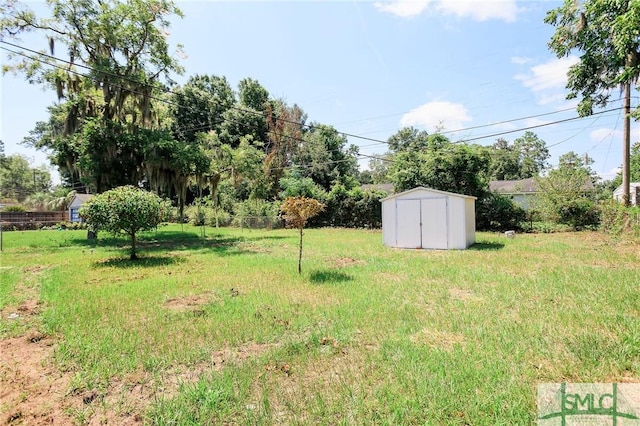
(296, 211)
(127, 210)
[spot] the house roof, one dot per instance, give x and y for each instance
(386, 187)
(521, 186)
(82, 197)
(618, 190)
(422, 188)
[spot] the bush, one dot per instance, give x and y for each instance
(257, 214)
(351, 208)
(496, 212)
(579, 213)
(14, 208)
(617, 219)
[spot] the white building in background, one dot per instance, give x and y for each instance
(634, 194)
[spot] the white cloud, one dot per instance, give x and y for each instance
(548, 81)
(550, 75)
(603, 133)
(520, 60)
(403, 8)
(481, 10)
(435, 114)
(604, 175)
(477, 10)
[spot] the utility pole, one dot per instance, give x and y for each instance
(626, 145)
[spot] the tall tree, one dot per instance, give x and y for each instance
(324, 157)
(605, 33)
(18, 179)
(286, 126)
(198, 106)
(505, 164)
(442, 165)
(124, 44)
(532, 155)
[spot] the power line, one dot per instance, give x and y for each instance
(302, 125)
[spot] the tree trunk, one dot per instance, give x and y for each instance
(91, 235)
(133, 247)
(300, 254)
(626, 145)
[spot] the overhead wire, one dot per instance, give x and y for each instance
(358, 157)
(304, 125)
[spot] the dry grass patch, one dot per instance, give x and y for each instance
(464, 295)
(191, 302)
(344, 262)
(436, 339)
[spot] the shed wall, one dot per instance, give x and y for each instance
(455, 217)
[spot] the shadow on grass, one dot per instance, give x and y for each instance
(328, 276)
(164, 241)
(142, 261)
(487, 246)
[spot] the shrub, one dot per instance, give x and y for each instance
(617, 219)
(579, 213)
(496, 212)
(16, 208)
(256, 213)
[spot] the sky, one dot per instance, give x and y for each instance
(475, 69)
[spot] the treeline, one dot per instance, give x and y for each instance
(122, 120)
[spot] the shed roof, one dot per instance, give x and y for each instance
(422, 188)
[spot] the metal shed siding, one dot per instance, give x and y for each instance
(425, 218)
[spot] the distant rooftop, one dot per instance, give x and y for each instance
(386, 187)
(521, 186)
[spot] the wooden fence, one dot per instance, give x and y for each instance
(43, 218)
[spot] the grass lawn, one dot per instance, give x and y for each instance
(222, 329)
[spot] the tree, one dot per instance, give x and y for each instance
(565, 193)
(505, 164)
(252, 94)
(442, 165)
(324, 157)
(532, 155)
(124, 44)
(296, 211)
(18, 179)
(606, 35)
(198, 106)
(286, 126)
(380, 167)
(634, 167)
(127, 210)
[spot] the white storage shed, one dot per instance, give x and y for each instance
(429, 219)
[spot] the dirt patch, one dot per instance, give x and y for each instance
(31, 390)
(34, 392)
(189, 303)
(34, 269)
(343, 262)
(438, 339)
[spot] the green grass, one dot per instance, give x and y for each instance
(366, 335)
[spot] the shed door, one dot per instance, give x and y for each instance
(422, 223)
(434, 223)
(408, 233)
